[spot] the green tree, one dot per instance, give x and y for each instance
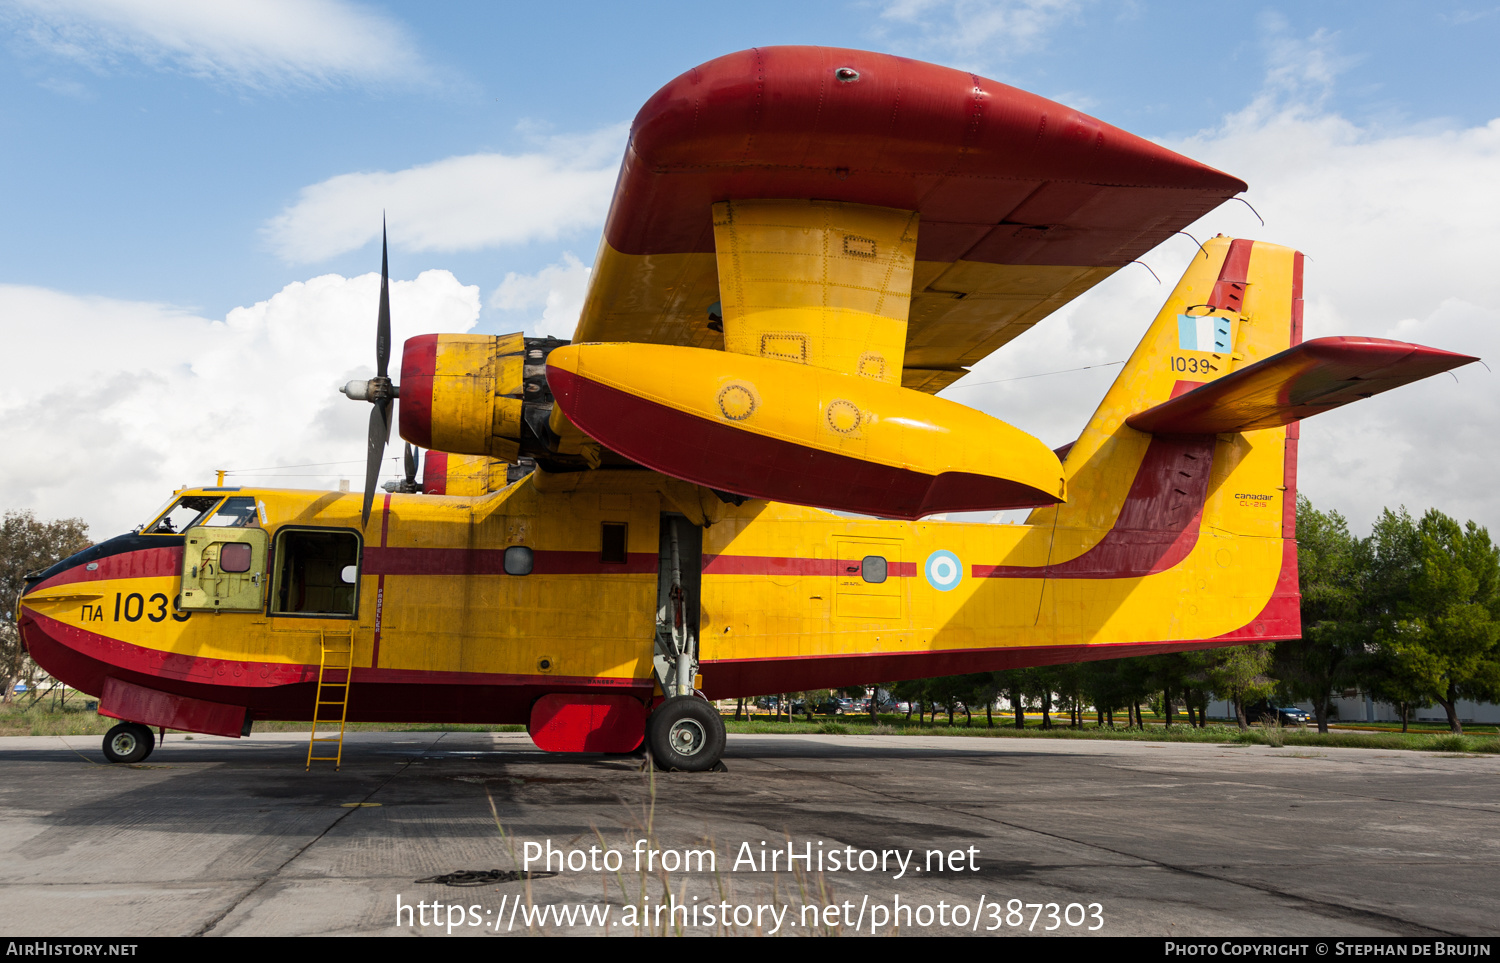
(1012, 683)
(1447, 632)
(1333, 569)
(1240, 674)
(27, 546)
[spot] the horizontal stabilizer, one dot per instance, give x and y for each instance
(1304, 380)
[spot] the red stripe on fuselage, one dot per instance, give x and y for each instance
(1280, 618)
(143, 563)
(491, 561)
(779, 565)
(1158, 522)
(86, 659)
(385, 527)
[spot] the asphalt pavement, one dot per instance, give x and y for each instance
(803, 834)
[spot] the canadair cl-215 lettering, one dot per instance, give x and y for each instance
(805, 245)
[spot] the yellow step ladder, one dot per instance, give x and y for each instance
(335, 672)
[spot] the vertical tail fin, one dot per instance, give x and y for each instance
(1238, 302)
(1141, 504)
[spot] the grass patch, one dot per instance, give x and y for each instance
(44, 718)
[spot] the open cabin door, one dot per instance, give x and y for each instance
(678, 592)
(223, 569)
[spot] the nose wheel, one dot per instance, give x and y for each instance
(685, 733)
(129, 742)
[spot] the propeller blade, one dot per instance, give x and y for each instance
(380, 433)
(411, 463)
(383, 324)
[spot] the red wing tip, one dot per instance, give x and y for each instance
(1341, 341)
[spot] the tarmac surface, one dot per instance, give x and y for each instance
(225, 837)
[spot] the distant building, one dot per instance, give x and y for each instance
(1359, 707)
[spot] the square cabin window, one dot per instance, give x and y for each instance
(519, 560)
(613, 535)
(235, 557)
(872, 569)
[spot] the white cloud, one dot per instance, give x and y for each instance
(458, 204)
(1399, 229)
(1302, 68)
(975, 33)
(250, 43)
(557, 289)
(120, 402)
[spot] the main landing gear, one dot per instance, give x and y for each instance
(685, 733)
(129, 742)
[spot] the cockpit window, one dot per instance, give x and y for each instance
(183, 514)
(236, 512)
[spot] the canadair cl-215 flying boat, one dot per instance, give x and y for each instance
(805, 245)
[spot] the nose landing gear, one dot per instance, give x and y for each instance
(128, 742)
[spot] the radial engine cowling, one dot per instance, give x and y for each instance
(474, 394)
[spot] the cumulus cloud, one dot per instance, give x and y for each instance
(248, 43)
(557, 289)
(121, 402)
(458, 204)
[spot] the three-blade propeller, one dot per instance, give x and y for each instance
(379, 391)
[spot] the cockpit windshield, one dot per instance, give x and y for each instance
(182, 514)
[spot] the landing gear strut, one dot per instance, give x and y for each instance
(686, 732)
(128, 742)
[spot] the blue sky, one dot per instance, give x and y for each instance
(177, 173)
(150, 179)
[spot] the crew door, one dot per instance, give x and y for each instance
(223, 569)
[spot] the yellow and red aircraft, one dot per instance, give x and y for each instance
(805, 245)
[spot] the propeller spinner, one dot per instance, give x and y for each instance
(379, 391)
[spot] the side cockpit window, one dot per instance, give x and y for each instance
(238, 512)
(317, 573)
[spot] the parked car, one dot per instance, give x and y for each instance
(1285, 715)
(828, 708)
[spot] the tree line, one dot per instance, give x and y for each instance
(1409, 615)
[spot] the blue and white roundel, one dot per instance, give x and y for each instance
(944, 571)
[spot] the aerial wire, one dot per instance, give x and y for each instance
(976, 384)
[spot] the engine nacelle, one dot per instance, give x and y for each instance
(475, 394)
(790, 432)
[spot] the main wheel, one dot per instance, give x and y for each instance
(685, 733)
(128, 742)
